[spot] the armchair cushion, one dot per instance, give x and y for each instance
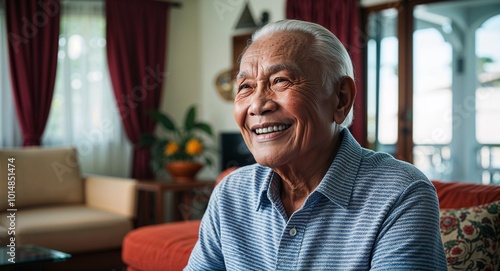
(42, 176)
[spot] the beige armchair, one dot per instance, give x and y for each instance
(46, 202)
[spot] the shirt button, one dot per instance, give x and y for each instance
(292, 232)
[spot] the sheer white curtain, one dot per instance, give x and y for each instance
(84, 112)
(10, 134)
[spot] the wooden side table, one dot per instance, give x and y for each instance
(183, 196)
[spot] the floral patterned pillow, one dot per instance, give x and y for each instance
(471, 237)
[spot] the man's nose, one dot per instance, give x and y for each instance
(262, 102)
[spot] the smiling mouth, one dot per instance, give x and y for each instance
(271, 129)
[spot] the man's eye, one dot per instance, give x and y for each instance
(243, 86)
(279, 80)
(280, 84)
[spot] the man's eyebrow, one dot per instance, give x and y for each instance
(241, 74)
(292, 68)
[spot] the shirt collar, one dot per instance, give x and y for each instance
(265, 188)
(338, 183)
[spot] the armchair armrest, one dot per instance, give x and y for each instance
(118, 195)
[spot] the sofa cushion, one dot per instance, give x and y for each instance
(42, 176)
(471, 237)
(460, 195)
(160, 247)
(70, 228)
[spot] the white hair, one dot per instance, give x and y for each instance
(326, 50)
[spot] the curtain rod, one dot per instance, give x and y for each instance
(173, 4)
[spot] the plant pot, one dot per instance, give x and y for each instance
(183, 171)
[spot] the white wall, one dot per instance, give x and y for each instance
(200, 47)
(183, 59)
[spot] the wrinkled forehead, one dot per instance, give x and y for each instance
(291, 44)
(283, 39)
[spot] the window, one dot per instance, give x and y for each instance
(84, 112)
(383, 81)
(448, 86)
(487, 99)
(432, 93)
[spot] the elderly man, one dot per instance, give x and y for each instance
(315, 200)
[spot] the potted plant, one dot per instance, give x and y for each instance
(181, 150)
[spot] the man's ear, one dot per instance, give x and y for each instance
(345, 93)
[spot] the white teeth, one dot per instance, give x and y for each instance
(271, 129)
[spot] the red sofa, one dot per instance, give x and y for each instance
(168, 246)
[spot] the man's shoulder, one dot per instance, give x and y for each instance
(384, 167)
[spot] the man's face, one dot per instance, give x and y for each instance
(284, 114)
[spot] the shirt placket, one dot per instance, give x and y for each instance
(288, 255)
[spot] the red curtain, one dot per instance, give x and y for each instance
(33, 35)
(342, 18)
(136, 38)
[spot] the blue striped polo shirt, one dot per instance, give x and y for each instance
(370, 212)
